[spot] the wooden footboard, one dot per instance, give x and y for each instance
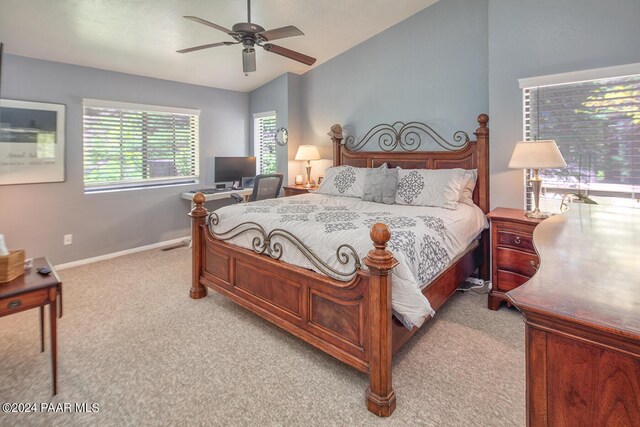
(349, 320)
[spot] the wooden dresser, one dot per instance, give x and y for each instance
(582, 316)
(513, 258)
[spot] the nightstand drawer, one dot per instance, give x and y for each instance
(519, 262)
(22, 302)
(516, 240)
(508, 280)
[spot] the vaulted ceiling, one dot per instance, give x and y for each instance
(141, 36)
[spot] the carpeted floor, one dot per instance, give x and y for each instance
(132, 341)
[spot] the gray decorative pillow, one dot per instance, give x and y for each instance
(470, 178)
(380, 185)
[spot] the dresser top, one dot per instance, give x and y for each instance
(589, 270)
(511, 215)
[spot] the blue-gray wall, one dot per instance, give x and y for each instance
(36, 216)
(444, 65)
(272, 96)
(533, 38)
(284, 96)
(457, 58)
(430, 67)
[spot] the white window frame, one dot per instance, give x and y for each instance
(256, 138)
(148, 182)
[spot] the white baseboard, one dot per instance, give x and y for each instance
(121, 253)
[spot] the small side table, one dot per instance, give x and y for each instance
(33, 290)
(294, 190)
(513, 257)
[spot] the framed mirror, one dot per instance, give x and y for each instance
(282, 136)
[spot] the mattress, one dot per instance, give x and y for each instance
(424, 240)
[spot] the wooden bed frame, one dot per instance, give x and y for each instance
(352, 321)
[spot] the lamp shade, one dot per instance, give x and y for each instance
(536, 155)
(307, 152)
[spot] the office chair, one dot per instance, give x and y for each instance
(264, 187)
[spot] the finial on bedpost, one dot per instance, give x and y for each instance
(336, 137)
(380, 235)
(198, 208)
(336, 133)
(381, 398)
(198, 214)
(483, 119)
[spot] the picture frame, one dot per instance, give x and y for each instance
(32, 142)
(320, 178)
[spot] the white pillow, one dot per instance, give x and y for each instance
(430, 187)
(470, 178)
(347, 181)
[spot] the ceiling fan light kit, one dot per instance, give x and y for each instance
(249, 35)
(248, 60)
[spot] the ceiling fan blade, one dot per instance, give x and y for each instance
(288, 53)
(208, 24)
(280, 33)
(204, 46)
(248, 60)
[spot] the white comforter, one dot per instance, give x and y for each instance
(423, 239)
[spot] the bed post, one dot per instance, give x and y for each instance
(381, 398)
(482, 136)
(336, 137)
(198, 215)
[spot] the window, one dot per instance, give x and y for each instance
(133, 146)
(596, 123)
(264, 142)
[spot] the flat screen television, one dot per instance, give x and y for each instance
(229, 169)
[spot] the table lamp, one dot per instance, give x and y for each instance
(308, 153)
(536, 155)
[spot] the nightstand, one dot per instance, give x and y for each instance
(513, 258)
(294, 190)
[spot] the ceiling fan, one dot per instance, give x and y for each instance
(250, 35)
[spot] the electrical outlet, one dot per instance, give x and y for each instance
(67, 239)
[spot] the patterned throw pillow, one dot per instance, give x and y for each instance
(430, 187)
(347, 181)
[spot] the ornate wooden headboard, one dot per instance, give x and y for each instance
(407, 138)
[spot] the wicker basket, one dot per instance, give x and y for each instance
(11, 266)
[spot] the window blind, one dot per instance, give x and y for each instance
(596, 124)
(264, 130)
(129, 147)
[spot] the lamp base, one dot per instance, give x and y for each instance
(537, 214)
(308, 183)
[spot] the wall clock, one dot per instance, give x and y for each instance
(282, 136)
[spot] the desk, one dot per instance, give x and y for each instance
(32, 290)
(187, 195)
(582, 316)
(217, 196)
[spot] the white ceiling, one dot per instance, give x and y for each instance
(141, 36)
